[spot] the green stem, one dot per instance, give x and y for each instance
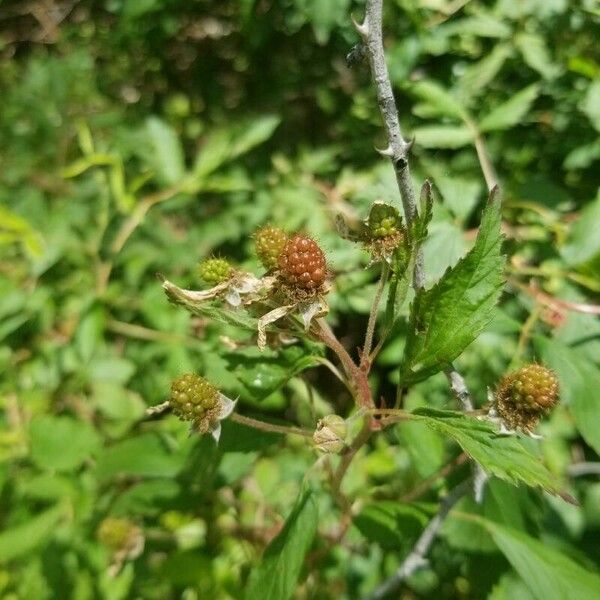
(270, 427)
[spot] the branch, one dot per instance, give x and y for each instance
(356, 376)
(416, 559)
(398, 148)
(459, 386)
(271, 427)
(242, 420)
(583, 468)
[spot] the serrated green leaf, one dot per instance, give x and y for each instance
(445, 319)
(548, 573)
(443, 136)
(167, 153)
(501, 455)
(579, 381)
(511, 112)
(276, 576)
(440, 101)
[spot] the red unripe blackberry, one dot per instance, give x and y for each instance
(524, 395)
(269, 242)
(195, 399)
(302, 263)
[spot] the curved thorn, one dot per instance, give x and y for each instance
(363, 29)
(389, 152)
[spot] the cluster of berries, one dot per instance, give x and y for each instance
(297, 261)
(525, 395)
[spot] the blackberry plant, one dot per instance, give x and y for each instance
(288, 305)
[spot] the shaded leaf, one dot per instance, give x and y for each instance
(584, 242)
(579, 385)
(479, 75)
(276, 576)
(19, 540)
(440, 101)
(167, 153)
(547, 572)
(61, 443)
(390, 524)
(142, 456)
(510, 112)
(590, 104)
(223, 145)
(536, 54)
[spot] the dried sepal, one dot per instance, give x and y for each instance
(330, 434)
(267, 319)
(240, 289)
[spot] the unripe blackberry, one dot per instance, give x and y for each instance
(383, 233)
(302, 264)
(524, 395)
(215, 270)
(269, 242)
(384, 220)
(117, 534)
(194, 399)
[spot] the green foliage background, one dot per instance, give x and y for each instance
(194, 122)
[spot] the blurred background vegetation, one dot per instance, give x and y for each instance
(139, 136)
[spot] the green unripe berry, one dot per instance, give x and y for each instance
(215, 270)
(269, 242)
(384, 220)
(115, 533)
(194, 399)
